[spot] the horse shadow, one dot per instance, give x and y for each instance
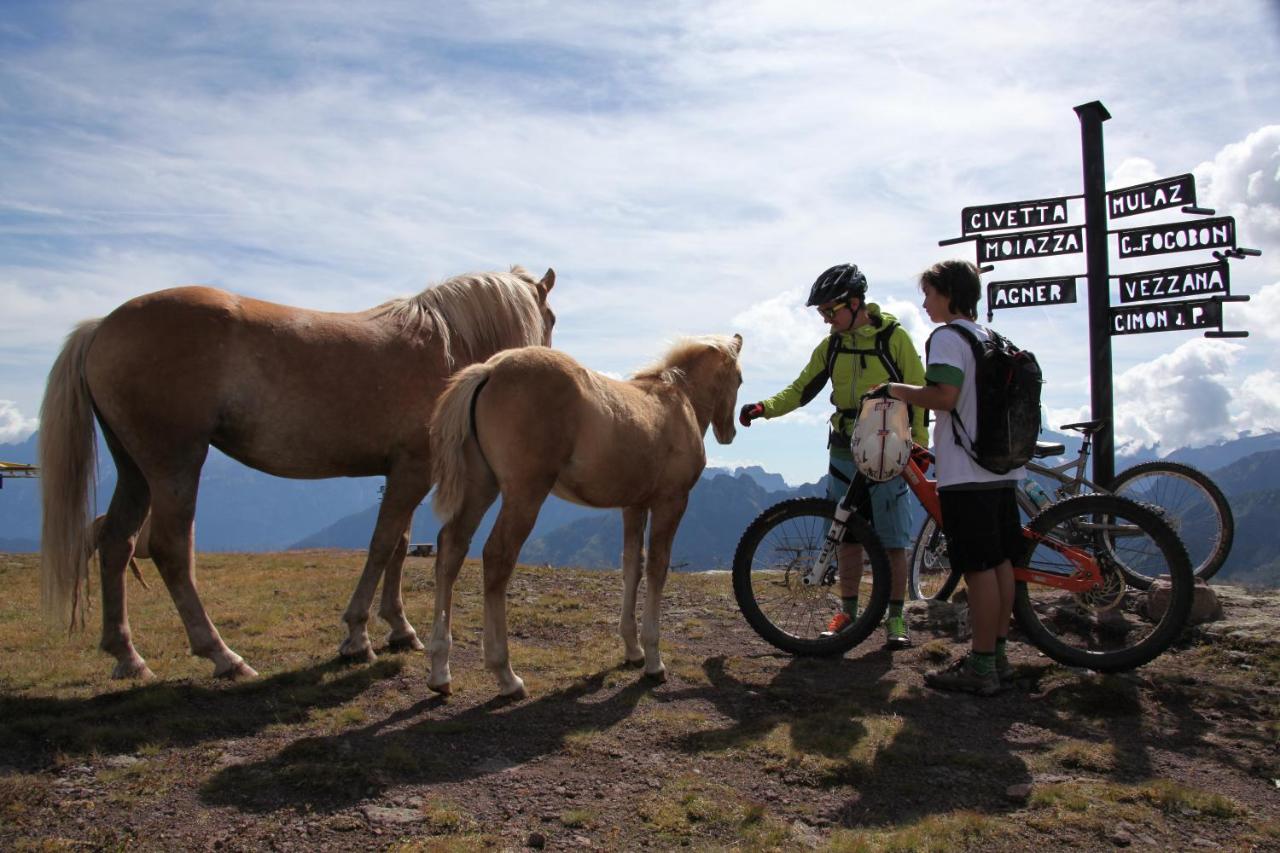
(37, 731)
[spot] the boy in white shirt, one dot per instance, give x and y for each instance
(979, 508)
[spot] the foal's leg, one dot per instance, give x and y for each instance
(115, 551)
(407, 484)
(173, 512)
(451, 550)
(665, 519)
(633, 522)
(515, 521)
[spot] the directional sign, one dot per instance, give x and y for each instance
(1030, 244)
(1031, 291)
(1014, 214)
(1157, 195)
(1215, 233)
(1197, 280)
(1166, 317)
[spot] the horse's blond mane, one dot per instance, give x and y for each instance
(477, 313)
(669, 368)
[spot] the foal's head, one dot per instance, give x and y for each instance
(708, 366)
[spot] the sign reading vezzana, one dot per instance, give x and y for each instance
(1197, 280)
(1031, 291)
(1166, 316)
(1157, 195)
(1015, 214)
(1031, 244)
(1215, 233)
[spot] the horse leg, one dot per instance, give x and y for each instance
(115, 543)
(402, 637)
(633, 522)
(665, 519)
(173, 551)
(515, 522)
(404, 491)
(451, 550)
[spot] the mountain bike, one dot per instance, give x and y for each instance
(1192, 503)
(1073, 599)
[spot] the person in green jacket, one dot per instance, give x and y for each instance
(866, 348)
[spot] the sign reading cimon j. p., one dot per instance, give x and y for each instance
(1166, 316)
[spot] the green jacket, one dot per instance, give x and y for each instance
(852, 375)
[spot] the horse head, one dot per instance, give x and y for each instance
(548, 316)
(728, 378)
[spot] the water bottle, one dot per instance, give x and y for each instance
(1037, 494)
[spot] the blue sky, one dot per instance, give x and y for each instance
(686, 168)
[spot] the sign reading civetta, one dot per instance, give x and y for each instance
(1015, 214)
(1030, 244)
(1195, 280)
(1216, 233)
(1166, 316)
(1157, 195)
(1031, 291)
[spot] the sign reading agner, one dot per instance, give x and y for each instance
(1215, 233)
(1166, 317)
(1030, 244)
(1157, 195)
(1031, 291)
(1197, 280)
(1015, 214)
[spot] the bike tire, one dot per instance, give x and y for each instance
(775, 550)
(931, 576)
(1193, 505)
(1104, 630)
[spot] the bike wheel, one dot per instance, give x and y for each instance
(1193, 505)
(776, 550)
(1107, 629)
(931, 575)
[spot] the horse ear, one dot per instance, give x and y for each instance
(737, 344)
(548, 282)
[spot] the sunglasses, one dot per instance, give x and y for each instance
(830, 312)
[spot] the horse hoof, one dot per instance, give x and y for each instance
(635, 663)
(517, 692)
(133, 670)
(409, 643)
(237, 672)
(365, 655)
(658, 677)
(445, 689)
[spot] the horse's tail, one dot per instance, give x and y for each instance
(67, 468)
(451, 429)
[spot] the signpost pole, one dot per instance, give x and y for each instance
(1091, 116)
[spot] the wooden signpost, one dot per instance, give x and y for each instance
(1150, 301)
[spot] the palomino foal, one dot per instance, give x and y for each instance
(533, 422)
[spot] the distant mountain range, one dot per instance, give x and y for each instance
(244, 510)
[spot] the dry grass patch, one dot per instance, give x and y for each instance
(935, 834)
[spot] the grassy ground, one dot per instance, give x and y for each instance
(742, 748)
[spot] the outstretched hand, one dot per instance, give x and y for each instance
(879, 392)
(749, 413)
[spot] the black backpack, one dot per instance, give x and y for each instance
(1008, 383)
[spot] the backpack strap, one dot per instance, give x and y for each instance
(880, 351)
(976, 346)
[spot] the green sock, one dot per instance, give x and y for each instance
(850, 606)
(984, 663)
(895, 609)
(1001, 654)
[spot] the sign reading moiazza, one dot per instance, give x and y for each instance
(1166, 317)
(1030, 244)
(1197, 280)
(1217, 233)
(1015, 214)
(1157, 195)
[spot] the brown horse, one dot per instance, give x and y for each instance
(289, 391)
(533, 422)
(141, 550)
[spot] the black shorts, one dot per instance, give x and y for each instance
(982, 527)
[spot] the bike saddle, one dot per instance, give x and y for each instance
(1044, 448)
(1086, 427)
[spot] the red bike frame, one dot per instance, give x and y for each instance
(1086, 576)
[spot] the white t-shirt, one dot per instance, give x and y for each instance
(950, 351)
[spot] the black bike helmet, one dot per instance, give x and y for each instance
(843, 281)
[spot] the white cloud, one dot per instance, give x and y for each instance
(13, 426)
(1263, 319)
(1243, 180)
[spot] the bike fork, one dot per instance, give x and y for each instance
(835, 535)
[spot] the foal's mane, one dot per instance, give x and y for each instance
(477, 313)
(670, 368)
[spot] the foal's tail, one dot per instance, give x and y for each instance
(451, 429)
(67, 467)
